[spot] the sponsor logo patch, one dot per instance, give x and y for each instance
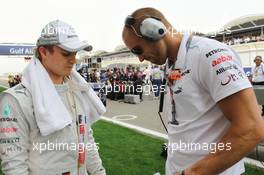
(232, 78)
(8, 130)
(11, 149)
(6, 111)
(8, 120)
(223, 69)
(6, 114)
(212, 52)
(9, 140)
(221, 59)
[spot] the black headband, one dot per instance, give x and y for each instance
(130, 21)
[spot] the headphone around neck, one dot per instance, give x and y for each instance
(151, 28)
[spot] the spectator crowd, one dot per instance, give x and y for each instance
(129, 80)
(243, 40)
(14, 80)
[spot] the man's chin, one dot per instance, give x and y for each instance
(159, 62)
(67, 73)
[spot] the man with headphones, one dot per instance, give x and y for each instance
(258, 71)
(258, 74)
(214, 120)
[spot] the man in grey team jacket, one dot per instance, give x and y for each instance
(24, 149)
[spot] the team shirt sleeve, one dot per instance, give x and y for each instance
(14, 137)
(220, 71)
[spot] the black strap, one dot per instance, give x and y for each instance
(161, 105)
(162, 96)
(164, 83)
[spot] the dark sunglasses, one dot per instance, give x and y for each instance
(136, 51)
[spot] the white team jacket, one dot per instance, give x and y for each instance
(23, 151)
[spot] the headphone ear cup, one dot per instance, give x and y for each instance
(152, 29)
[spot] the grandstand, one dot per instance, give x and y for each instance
(120, 57)
(245, 35)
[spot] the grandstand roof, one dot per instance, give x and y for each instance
(245, 22)
(241, 24)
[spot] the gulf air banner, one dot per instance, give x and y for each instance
(16, 50)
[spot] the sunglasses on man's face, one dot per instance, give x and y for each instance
(136, 51)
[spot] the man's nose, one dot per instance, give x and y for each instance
(73, 59)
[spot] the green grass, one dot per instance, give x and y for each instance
(253, 170)
(1, 89)
(126, 152)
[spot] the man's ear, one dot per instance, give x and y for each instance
(42, 52)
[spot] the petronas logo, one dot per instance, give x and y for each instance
(6, 111)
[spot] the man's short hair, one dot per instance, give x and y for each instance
(48, 47)
(148, 11)
(258, 57)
